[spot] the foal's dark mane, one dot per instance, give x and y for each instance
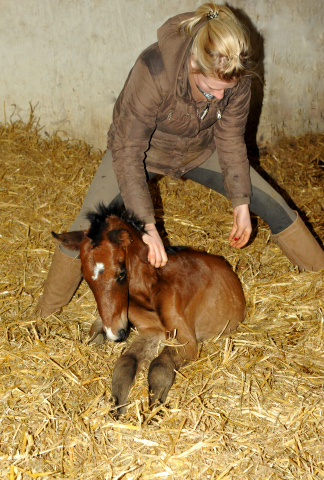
(99, 221)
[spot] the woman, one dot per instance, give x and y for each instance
(183, 112)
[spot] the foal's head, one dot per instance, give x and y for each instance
(104, 260)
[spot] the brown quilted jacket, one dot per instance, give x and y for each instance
(156, 124)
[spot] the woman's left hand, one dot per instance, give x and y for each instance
(242, 227)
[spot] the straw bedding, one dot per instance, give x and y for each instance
(250, 407)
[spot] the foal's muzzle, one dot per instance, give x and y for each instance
(119, 337)
(122, 335)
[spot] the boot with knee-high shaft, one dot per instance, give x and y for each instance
(62, 281)
(299, 245)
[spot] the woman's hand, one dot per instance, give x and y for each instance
(156, 255)
(242, 227)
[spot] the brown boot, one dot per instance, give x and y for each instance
(299, 245)
(62, 281)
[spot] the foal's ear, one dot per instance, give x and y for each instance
(120, 237)
(70, 240)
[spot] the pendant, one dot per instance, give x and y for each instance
(204, 112)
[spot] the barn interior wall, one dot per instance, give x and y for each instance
(68, 59)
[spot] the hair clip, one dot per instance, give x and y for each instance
(211, 15)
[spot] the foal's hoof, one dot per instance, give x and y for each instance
(155, 399)
(97, 339)
(118, 410)
(96, 334)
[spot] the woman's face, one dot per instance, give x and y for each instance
(213, 85)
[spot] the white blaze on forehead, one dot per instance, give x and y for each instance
(109, 334)
(99, 268)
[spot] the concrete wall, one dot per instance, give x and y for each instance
(71, 58)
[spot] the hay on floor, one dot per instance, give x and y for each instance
(251, 406)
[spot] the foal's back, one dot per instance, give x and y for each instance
(209, 292)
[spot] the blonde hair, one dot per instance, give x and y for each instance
(221, 46)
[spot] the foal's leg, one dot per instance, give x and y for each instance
(141, 351)
(162, 373)
(163, 368)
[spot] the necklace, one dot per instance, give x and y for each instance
(209, 96)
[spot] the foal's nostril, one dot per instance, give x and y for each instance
(122, 334)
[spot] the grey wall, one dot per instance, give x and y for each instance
(71, 58)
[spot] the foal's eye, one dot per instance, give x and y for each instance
(122, 276)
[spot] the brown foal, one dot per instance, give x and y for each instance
(194, 296)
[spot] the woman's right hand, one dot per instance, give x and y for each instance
(156, 254)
